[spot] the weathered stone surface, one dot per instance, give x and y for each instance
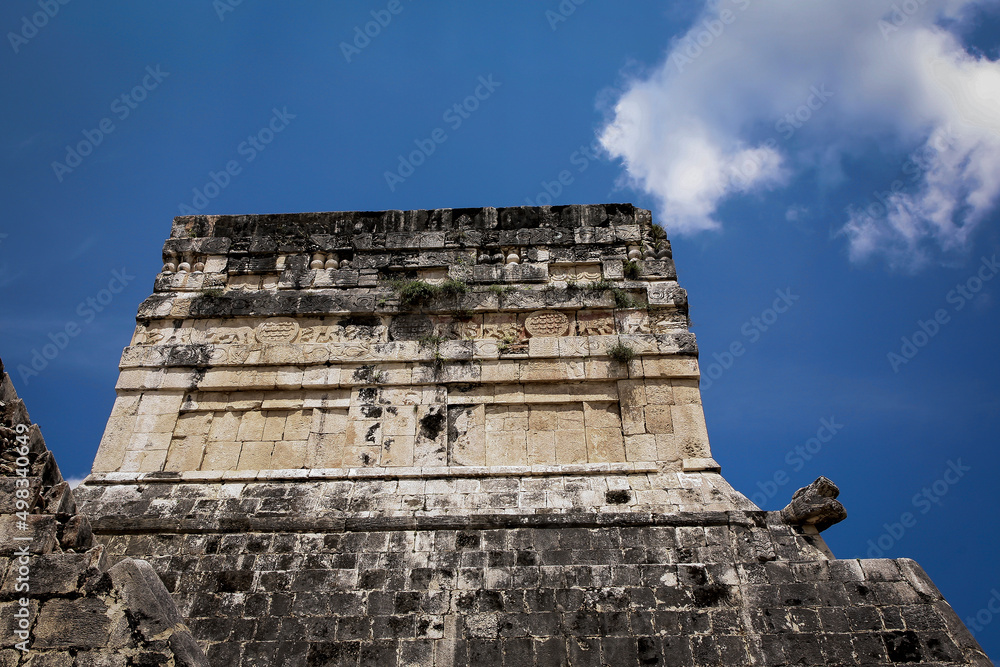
(152, 612)
(815, 505)
(287, 326)
(59, 605)
(446, 437)
(73, 623)
(39, 533)
(58, 574)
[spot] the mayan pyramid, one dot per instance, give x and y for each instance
(460, 437)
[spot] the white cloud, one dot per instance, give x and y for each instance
(796, 213)
(756, 92)
(75, 481)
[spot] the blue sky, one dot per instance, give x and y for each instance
(768, 152)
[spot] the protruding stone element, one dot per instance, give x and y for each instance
(704, 464)
(76, 534)
(815, 505)
(153, 611)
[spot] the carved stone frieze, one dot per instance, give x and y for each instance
(547, 323)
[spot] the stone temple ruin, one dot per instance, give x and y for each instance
(447, 437)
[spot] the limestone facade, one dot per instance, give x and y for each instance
(308, 352)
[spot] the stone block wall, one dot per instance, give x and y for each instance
(411, 340)
(60, 603)
(463, 437)
(271, 573)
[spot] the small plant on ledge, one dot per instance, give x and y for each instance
(507, 342)
(500, 290)
(632, 269)
(433, 340)
(621, 352)
(452, 287)
(602, 285)
(420, 292)
(625, 300)
(414, 292)
(622, 298)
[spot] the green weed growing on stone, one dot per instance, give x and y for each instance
(622, 298)
(507, 342)
(432, 340)
(414, 292)
(500, 290)
(621, 352)
(452, 287)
